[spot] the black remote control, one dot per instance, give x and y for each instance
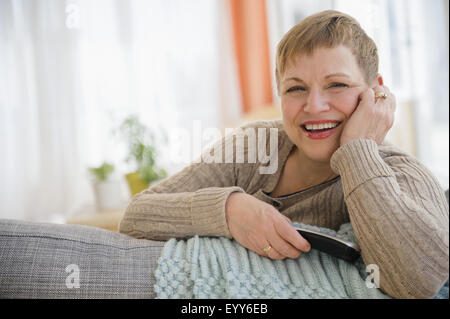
(327, 243)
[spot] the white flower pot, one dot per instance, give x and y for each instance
(108, 195)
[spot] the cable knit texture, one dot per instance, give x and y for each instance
(396, 206)
(221, 268)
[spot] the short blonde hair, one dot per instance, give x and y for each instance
(328, 29)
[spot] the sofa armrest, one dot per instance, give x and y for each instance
(42, 260)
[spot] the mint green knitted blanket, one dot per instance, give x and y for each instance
(206, 267)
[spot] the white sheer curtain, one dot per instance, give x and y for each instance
(71, 70)
(412, 38)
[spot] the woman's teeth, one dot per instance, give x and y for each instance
(313, 127)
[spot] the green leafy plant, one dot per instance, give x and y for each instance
(101, 173)
(141, 148)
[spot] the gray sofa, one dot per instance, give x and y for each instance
(41, 260)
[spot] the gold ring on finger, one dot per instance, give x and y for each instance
(380, 95)
(267, 249)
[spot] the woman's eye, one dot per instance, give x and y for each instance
(295, 88)
(338, 85)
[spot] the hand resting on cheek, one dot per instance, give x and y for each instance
(372, 118)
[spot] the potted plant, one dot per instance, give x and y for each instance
(106, 189)
(142, 151)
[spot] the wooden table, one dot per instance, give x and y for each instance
(89, 215)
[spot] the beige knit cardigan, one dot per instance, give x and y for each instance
(396, 206)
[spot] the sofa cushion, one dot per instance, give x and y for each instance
(42, 260)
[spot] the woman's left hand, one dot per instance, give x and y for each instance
(372, 118)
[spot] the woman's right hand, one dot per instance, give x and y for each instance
(257, 225)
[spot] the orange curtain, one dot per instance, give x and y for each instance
(252, 52)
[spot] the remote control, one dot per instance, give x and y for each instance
(329, 243)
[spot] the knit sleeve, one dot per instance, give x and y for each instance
(400, 216)
(192, 202)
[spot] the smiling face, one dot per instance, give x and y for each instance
(318, 92)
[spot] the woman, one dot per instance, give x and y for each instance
(333, 167)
